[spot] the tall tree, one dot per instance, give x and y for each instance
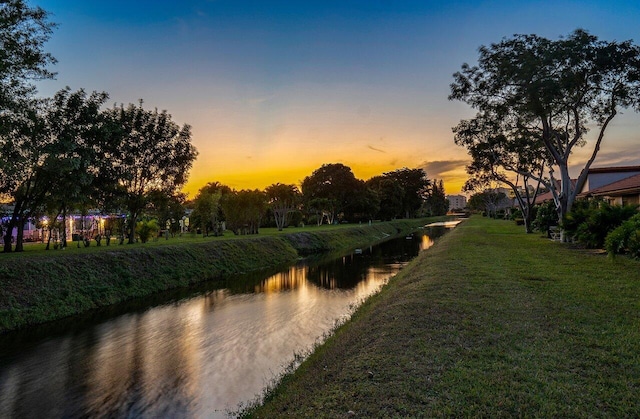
(283, 199)
(75, 123)
(23, 176)
(436, 202)
(155, 154)
(333, 186)
(390, 195)
(415, 184)
(550, 92)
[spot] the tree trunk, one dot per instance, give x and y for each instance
(132, 227)
(7, 237)
(20, 236)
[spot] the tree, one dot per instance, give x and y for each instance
(415, 184)
(23, 32)
(550, 92)
(25, 151)
(437, 203)
(168, 210)
(75, 124)
(154, 154)
(488, 201)
(206, 207)
(390, 194)
(49, 160)
(244, 210)
(496, 158)
(329, 190)
(283, 199)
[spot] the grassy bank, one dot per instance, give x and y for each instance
(40, 286)
(489, 322)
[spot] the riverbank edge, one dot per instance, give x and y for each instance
(489, 322)
(42, 289)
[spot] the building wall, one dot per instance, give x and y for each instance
(457, 201)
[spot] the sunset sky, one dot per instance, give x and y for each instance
(275, 89)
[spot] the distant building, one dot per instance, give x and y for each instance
(457, 202)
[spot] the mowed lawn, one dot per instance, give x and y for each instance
(490, 322)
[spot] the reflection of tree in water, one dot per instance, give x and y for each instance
(342, 273)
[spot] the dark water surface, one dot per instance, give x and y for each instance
(192, 353)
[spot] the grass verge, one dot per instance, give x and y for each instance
(40, 286)
(490, 322)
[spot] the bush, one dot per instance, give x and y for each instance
(590, 222)
(146, 229)
(625, 238)
(546, 216)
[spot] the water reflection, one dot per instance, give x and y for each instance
(191, 357)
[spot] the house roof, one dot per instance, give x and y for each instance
(629, 185)
(614, 169)
(548, 196)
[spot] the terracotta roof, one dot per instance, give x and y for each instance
(630, 184)
(548, 196)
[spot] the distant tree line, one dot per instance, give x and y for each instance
(331, 194)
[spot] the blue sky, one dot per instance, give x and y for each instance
(274, 89)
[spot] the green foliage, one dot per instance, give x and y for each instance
(23, 32)
(244, 210)
(147, 229)
(546, 216)
(589, 222)
(283, 200)
(437, 203)
(537, 98)
(625, 239)
(206, 207)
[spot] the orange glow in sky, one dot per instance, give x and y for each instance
(273, 90)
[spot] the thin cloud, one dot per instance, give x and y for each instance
(370, 147)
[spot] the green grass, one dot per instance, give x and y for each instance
(33, 249)
(490, 322)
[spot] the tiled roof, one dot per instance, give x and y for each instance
(630, 184)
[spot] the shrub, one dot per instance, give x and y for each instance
(546, 216)
(590, 222)
(146, 229)
(625, 238)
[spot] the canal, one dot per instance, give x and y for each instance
(198, 353)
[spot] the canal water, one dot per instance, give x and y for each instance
(196, 353)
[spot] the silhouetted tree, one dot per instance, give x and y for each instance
(535, 89)
(155, 154)
(415, 185)
(244, 210)
(436, 202)
(283, 199)
(330, 189)
(390, 195)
